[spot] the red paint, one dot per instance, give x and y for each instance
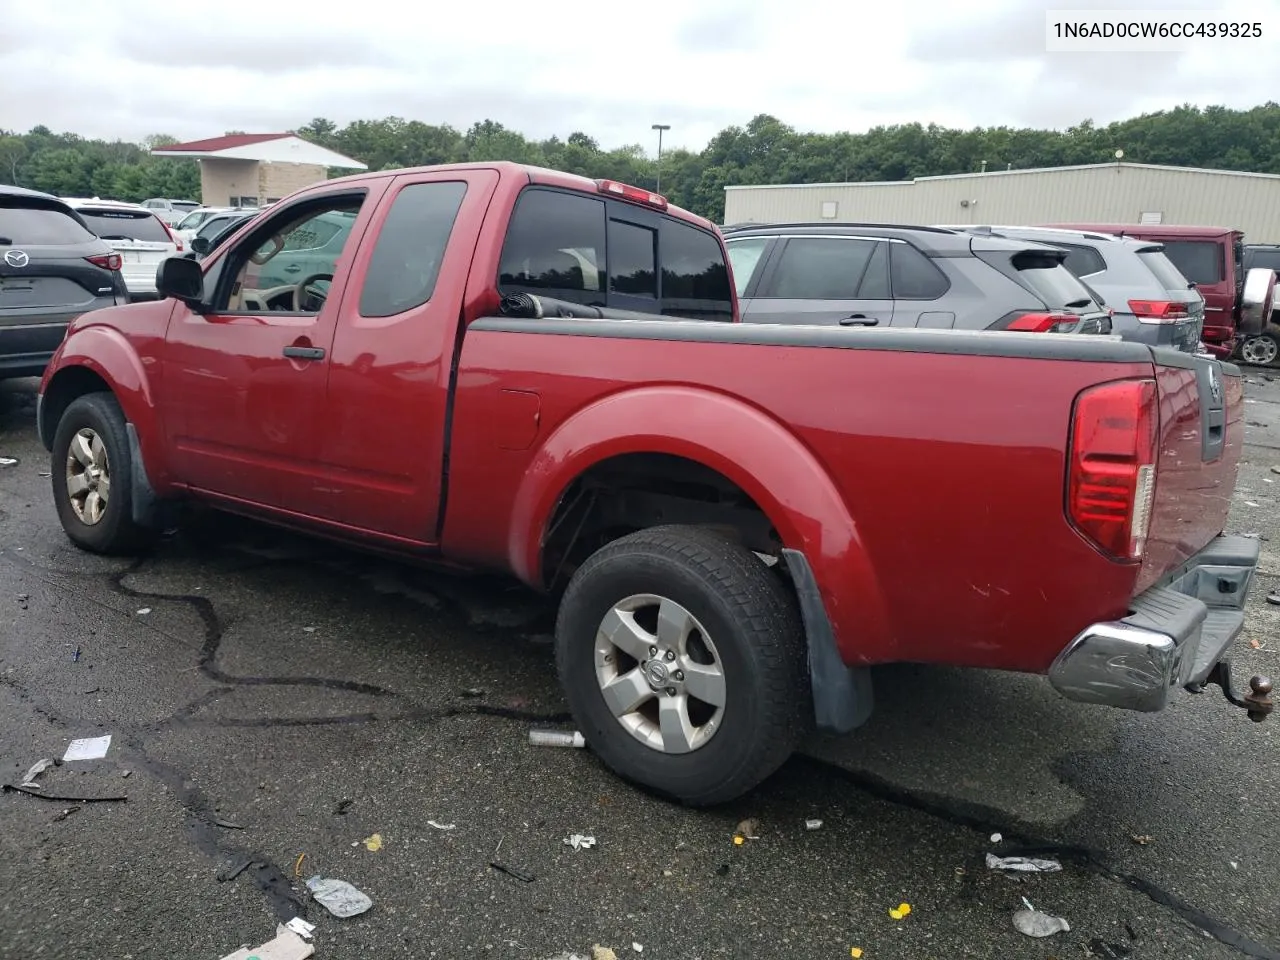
(928, 491)
(1221, 306)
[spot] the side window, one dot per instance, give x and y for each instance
(744, 256)
(822, 268)
(695, 274)
(555, 244)
(406, 258)
(875, 282)
(632, 258)
(914, 277)
(267, 277)
(1082, 261)
(1200, 261)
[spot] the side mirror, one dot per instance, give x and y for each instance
(200, 245)
(1256, 300)
(181, 279)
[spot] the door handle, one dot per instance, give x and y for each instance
(304, 353)
(859, 320)
(292, 268)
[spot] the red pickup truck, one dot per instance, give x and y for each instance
(516, 369)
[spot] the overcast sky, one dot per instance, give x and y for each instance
(130, 68)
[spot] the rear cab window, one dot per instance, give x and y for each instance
(32, 222)
(1200, 261)
(609, 253)
(125, 225)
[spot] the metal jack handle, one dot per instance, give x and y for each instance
(1257, 701)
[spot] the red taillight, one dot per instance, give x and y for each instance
(1158, 311)
(177, 241)
(1041, 322)
(107, 261)
(634, 194)
(1113, 465)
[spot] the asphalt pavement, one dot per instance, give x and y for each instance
(279, 701)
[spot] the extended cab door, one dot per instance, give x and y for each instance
(245, 378)
(825, 280)
(389, 374)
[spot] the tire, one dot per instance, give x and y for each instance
(742, 621)
(96, 424)
(1261, 349)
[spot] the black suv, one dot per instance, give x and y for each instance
(52, 269)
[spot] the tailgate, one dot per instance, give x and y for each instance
(1201, 438)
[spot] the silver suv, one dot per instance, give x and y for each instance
(902, 276)
(1151, 302)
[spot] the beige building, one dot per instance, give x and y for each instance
(250, 169)
(1097, 193)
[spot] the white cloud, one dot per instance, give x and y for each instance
(196, 70)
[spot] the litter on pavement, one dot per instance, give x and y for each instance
(301, 927)
(1033, 923)
(287, 945)
(900, 911)
(813, 824)
(556, 738)
(580, 841)
(373, 843)
(89, 748)
(37, 768)
(8, 461)
(338, 897)
(441, 826)
(1022, 864)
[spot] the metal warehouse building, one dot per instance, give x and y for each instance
(1097, 193)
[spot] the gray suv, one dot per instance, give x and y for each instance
(903, 276)
(1150, 301)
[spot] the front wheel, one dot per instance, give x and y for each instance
(682, 657)
(1261, 349)
(91, 469)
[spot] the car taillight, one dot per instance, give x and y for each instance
(1041, 322)
(634, 194)
(1158, 311)
(1112, 475)
(177, 241)
(107, 261)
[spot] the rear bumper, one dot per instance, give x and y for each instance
(1174, 635)
(26, 349)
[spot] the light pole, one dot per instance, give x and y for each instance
(660, 127)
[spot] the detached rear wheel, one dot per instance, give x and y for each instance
(92, 475)
(1261, 349)
(682, 656)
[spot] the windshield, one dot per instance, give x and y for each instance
(1169, 276)
(184, 205)
(126, 225)
(194, 219)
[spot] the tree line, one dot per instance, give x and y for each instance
(765, 150)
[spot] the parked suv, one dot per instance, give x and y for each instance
(52, 269)
(1262, 348)
(170, 211)
(217, 228)
(141, 238)
(901, 276)
(1150, 301)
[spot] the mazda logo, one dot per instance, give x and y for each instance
(16, 258)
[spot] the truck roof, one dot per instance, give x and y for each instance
(543, 176)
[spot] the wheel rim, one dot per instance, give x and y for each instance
(88, 476)
(1260, 350)
(660, 674)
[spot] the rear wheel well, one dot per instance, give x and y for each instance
(66, 385)
(635, 491)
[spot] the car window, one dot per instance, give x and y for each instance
(632, 259)
(320, 231)
(266, 277)
(25, 222)
(875, 282)
(1200, 261)
(744, 256)
(914, 275)
(821, 268)
(695, 273)
(184, 206)
(1081, 260)
(1264, 259)
(411, 244)
(1168, 275)
(125, 225)
(555, 243)
(1057, 286)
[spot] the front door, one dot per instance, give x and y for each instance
(245, 378)
(829, 280)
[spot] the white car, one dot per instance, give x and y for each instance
(140, 237)
(193, 221)
(170, 211)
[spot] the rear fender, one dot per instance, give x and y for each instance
(748, 447)
(106, 353)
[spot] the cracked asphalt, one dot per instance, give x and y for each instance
(272, 698)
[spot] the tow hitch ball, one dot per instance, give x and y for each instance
(1257, 701)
